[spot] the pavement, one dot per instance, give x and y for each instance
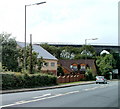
(46, 88)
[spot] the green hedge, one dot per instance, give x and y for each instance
(15, 81)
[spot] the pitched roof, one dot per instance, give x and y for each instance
(67, 63)
(42, 52)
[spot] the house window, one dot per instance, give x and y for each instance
(52, 64)
(74, 67)
(83, 67)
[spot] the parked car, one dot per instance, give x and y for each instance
(101, 79)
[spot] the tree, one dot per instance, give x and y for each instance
(88, 74)
(86, 51)
(69, 52)
(60, 71)
(9, 52)
(82, 56)
(66, 53)
(52, 49)
(31, 65)
(105, 63)
(117, 60)
(88, 48)
(40, 63)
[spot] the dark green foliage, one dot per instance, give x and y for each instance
(52, 49)
(15, 81)
(9, 52)
(40, 62)
(116, 56)
(105, 63)
(30, 62)
(69, 52)
(89, 77)
(13, 56)
(88, 48)
(60, 71)
(83, 56)
(86, 52)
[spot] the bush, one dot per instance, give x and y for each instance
(89, 77)
(15, 81)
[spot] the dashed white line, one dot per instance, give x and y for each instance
(19, 102)
(29, 101)
(101, 86)
(71, 92)
(43, 95)
(91, 88)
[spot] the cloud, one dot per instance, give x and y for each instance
(75, 25)
(61, 20)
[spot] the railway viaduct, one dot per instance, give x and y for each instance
(98, 48)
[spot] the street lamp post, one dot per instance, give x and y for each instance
(25, 32)
(85, 48)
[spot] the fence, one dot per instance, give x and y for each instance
(70, 78)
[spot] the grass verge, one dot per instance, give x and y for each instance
(71, 82)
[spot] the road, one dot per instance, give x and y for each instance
(92, 95)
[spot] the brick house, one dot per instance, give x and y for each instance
(77, 66)
(50, 61)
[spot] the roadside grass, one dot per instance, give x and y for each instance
(71, 82)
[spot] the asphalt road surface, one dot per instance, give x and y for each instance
(91, 95)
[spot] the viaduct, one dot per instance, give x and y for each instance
(98, 48)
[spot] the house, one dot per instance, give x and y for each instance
(77, 66)
(50, 61)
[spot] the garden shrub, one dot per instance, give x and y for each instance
(15, 81)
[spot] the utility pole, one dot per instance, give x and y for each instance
(25, 44)
(85, 54)
(31, 65)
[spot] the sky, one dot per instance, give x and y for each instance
(61, 21)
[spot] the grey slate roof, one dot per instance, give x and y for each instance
(42, 52)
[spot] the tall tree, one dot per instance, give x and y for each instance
(33, 65)
(9, 52)
(105, 63)
(69, 52)
(86, 51)
(52, 49)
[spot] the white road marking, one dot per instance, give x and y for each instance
(7, 105)
(29, 101)
(101, 86)
(71, 92)
(43, 95)
(59, 94)
(91, 88)
(19, 102)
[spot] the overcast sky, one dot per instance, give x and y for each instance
(68, 21)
